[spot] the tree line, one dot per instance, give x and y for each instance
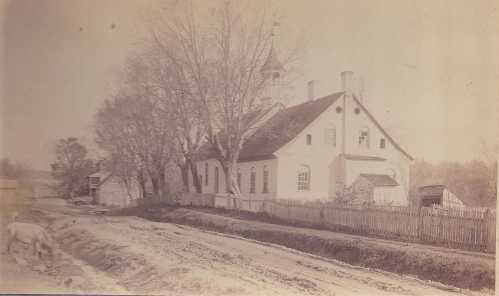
(474, 182)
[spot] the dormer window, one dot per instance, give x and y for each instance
(309, 139)
(364, 138)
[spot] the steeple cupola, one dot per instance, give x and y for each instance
(272, 71)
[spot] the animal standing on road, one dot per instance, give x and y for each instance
(29, 234)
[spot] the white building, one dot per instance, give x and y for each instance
(314, 150)
(113, 191)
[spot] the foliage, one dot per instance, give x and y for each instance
(10, 169)
(71, 167)
(474, 182)
(137, 136)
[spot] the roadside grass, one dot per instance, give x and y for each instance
(452, 268)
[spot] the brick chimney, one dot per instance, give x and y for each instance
(348, 82)
(311, 90)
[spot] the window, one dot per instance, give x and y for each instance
(252, 180)
(239, 177)
(206, 174)
(217, 189)
(309, 139)
(304, 178)
(382, 143)
(201, 179)
(330, 136)
(265, 180)
(364, 138)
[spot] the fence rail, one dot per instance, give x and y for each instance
(467, 228)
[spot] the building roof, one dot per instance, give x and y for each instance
(431, 190)
(8, 183)
(362, 157)
(390, 139)
(285, 125)
(281, 128)
(379, 180)
(100, 174)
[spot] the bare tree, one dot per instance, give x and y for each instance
(175, 100)
(218, 60)
(137, 138)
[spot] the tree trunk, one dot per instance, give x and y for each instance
(195, 176)
(184, 171)
(164, 191)
(231, 185)
(142, 182)
(155, 186)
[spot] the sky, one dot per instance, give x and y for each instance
(430, 68)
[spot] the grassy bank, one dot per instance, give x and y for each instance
(456, 268)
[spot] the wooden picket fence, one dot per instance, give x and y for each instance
(466, 228)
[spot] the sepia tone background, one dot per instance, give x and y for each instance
(430, 68)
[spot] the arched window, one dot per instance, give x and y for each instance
(303, 178)
(265, 179)
(330, 136)
(239, 178)
(364, 137)
(252, 180)
(217, 189)
(206, 174)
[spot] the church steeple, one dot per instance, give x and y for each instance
(272, 63)
(272, 70)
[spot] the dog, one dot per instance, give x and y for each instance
(30, 234)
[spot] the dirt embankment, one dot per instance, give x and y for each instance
(21, 271)
(456, 268)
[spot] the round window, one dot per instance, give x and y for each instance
(357, 110)
(338, 109)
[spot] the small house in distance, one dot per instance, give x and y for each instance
(378, 189)
(111, 190)
(438, 195)
(8, 191)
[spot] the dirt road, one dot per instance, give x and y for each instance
(132, 255)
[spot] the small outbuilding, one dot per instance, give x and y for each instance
(8, 191)
(111, 190)
(378, 189)
(438, 195)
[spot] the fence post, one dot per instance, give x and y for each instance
(491, 229)
(289, 210)
(420, 223)
(321, 215)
